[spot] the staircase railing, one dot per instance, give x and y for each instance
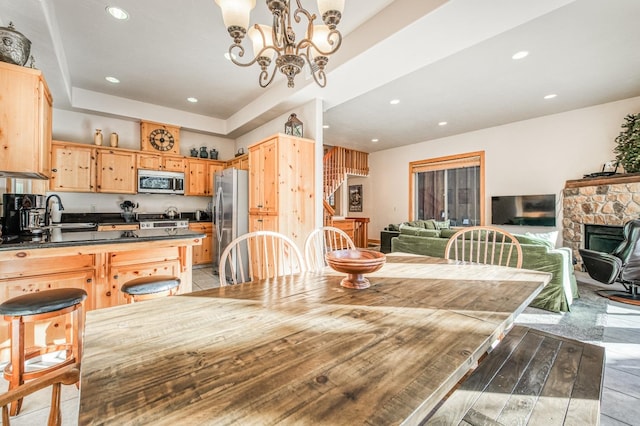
(340, 162)
(360, 231)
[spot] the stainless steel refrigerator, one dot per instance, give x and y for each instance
(231, 210)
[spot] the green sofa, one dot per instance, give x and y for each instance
(538, 255)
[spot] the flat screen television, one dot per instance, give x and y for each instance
(524, 210)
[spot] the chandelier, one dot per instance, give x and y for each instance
(279, 39)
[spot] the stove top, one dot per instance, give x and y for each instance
(160, 220)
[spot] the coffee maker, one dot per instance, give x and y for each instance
(23, 214)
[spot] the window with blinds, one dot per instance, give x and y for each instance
(449, 188)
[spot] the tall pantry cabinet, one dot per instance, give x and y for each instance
(281, 186)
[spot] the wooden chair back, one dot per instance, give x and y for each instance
(259, 255)
(64, 376)
(321, 241)
(485, 244)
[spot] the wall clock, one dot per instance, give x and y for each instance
(158, 137)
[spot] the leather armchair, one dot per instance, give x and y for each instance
(621, 265)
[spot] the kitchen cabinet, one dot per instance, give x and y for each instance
(241, 162)
(161, 162)
(116, 171)
(73, 167)
(263, 177)
(25, 122)
(282, 186)
(204, 253)
(200, 174)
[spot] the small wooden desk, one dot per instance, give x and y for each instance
(302, 349)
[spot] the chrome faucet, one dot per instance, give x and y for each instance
(47, 212)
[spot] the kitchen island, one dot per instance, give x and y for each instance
(98, 262)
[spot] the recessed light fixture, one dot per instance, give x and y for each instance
(550, 96)
(442, 123)
(394, 101)
(112, 80)
(228, 56)
(117, 13)
(374, 140)
(325, 126)
(520, 55)
(192, 100)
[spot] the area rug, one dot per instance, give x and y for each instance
(586, 321)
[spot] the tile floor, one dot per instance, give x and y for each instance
(620, 399)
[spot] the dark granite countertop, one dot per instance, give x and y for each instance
(60, 238)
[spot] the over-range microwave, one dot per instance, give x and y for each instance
(160, 182)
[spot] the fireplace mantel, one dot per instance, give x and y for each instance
(605, 180)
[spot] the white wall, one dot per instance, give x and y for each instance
(534, 156)
(79, 127)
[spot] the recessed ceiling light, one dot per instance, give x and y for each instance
(520, 55)
(112, 79)
(192, 99)
(325, 126)
(228, 57)
(117, 13)
(550, 96)
(374, 140)
(442, 123)
(395, 102)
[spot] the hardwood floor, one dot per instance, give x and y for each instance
(620, 399)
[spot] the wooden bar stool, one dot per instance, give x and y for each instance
(151, 287)
(39, 306)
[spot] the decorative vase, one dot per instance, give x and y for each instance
(14, 46)
(194, 152)
(97, 138)
(203, 152)
(113, 140)
(213, 154)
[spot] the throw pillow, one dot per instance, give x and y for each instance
(430, 224)
(445, 224)
(551, 236)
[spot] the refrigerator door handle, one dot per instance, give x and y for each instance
(219, 214)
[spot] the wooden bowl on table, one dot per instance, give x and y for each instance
(355, 263)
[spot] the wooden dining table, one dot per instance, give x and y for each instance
(300, 349)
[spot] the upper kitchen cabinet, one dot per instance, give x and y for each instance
(282, 186)
(25, 122)
(73, 167)
(161, 162)
(116, 171)
(200, 175)
(240, 162)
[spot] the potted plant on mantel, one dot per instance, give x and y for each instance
(628, 148)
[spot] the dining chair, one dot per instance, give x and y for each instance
(259, 255)
(323, 240)
(68, 375)
(484, 244)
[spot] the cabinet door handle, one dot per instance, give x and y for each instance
(54, 170)
(259, 220)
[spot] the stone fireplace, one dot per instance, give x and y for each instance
(610, 201)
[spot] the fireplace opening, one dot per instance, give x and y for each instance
(602, 238)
